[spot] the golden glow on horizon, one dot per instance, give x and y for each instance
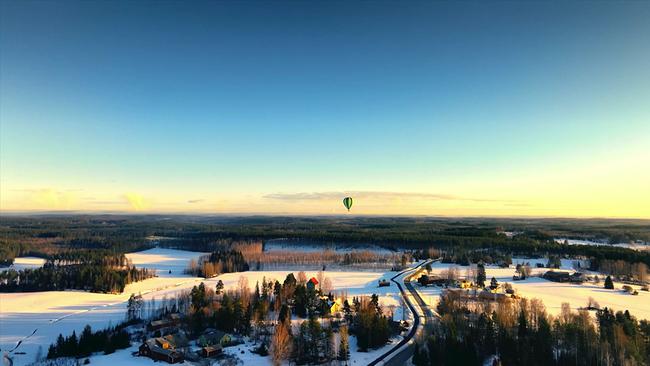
(611, 186)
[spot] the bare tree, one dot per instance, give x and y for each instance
(280, 344)
(320, 276)
(302, 278)
(327, 285)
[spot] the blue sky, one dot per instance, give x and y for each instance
(228, 103)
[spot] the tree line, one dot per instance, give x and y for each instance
(106, 340)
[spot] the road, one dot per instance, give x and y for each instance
(423, 321)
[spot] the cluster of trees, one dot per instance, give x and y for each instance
(107, 340)
(256, 256)
(92, 272)
(369, 324)
(521, 333)
(220, 261)
(624, 270)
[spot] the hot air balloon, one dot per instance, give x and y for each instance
(347, 202)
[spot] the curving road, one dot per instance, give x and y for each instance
(423, 321)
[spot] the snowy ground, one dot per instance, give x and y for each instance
(635, 246)
(164, 260)
(553, 294)
(52, 312)
(25, 263)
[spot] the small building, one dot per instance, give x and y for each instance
(163, 343)
(215, 337)
(426, 280)
(177, 340)
(384, 283)
(312, 283)
(563, 277)
(153, 348)
(464, 284)
(335, 306)
(171, 321)
(211, 351)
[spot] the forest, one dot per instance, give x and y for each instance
(95, 271)
(48, 235)
(521, 333)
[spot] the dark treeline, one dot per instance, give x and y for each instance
(107, 341)
(85, 270)
(520, 333)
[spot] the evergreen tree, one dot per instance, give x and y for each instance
(344, 345)
(609, 284)
(480, 276)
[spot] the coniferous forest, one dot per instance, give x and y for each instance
(95, 271)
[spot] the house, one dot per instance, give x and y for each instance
(311, 284)
(563, 277)
(215, 337)
(163, 343)
(159, 324)
(425, 280)
(335, 306)
(211, 351)
(171, 321)
(384, 283)
(465, 284)
(177, 340)
(153, 348)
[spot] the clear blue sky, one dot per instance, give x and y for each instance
(219, 101)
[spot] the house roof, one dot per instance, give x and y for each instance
(314, 281)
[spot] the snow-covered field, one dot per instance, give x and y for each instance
(635, 246)
(49, 313)
(553, 294)
(46, 314)
(25, 263)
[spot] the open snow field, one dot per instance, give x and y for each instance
(46, 314)
(49, 313)
(553, 294)
(634, 246)
(21, 263)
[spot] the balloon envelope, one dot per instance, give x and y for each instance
(347, 202)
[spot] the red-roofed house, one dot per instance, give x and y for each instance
(312, 283)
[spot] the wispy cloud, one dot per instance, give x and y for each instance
(196, 200)
(51, 198)
(375, 195)
(136, 201)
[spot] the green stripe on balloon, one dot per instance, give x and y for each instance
(347, 202)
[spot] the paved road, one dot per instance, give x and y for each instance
(400, 353)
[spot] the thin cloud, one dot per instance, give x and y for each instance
(196, 201)
(375, 195)
(136, 201)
